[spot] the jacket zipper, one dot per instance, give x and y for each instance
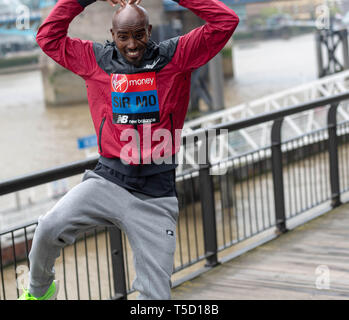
(100, 134)
(171, 119)
(138, 144)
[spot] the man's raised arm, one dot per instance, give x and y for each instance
(74, 54)
(201, 44)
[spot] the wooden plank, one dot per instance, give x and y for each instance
(289, 267)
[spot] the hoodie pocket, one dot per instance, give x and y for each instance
(100, 134)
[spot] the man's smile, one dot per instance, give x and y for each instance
(133, 54)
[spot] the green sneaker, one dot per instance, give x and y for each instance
(51, 293)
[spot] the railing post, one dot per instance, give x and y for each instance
(208, 205)
(344, 38)
(319, 56)
(118, 267)
(333, 154)
(277, 172)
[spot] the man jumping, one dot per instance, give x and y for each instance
(138, 94)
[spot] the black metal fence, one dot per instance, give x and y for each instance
(260, 190)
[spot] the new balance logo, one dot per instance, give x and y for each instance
(122, 119)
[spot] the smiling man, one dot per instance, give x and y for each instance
(138, 94)
(131, 32)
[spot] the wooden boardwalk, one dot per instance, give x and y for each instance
(309, 262)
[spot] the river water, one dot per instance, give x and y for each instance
(35, 137)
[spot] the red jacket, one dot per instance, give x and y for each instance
(158, 90)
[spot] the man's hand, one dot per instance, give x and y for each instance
(122, 3)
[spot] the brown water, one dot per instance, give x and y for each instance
(34, 137)
(267, 66)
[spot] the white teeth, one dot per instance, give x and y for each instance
(132, 54)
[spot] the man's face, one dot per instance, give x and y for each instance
(131, 32)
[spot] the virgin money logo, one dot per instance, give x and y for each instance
(120, 82)
(139, 82)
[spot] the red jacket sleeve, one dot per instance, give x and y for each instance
(74, 54)
(200, 45)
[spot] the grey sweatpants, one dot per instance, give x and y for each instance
(99, 202)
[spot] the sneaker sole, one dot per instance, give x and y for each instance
(54, 296)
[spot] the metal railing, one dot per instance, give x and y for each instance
(261, 190)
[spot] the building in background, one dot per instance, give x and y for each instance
(168, 19)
